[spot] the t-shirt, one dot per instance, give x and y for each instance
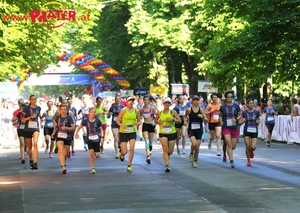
(31, 125)
(93, 129)
(229, 113)
(214, 116)
(67, 122)
(269, 115)
(250, 123)
(115, 110)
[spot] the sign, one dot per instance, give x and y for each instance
(8, 90)
(180, 89)
(206, 86)
(158, 90)
(140, 91)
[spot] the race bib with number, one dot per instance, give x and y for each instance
(50, 125)
(216, 116)
(167, 129)
(251, 129)
(93, 137)
(32, 124)
(195, 125)
(181, 112)
(129, 128)
(146, 114)
(270, 118)
(230, 122)
(62, 134)
(22, 126)
(115, 118)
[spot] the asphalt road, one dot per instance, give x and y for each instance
(270, 185)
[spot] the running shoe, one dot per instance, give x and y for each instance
(183, 152)
(85, 147)
(150, 153)
(50, 155)
(66, 164)
(224, 158)
(31, 165)
(69, 155)
(129, 169)
(191, 158)
(249, 163)
(219, 152)
(122, 157)
(194, 164)
(209, 146)
(63, 170)
(22, 161)
(148, 160)
(35, 166)
(168, 169)
(268, 143)
(178, 151)
(73, 153)
(47, 150)
(251, 154)
(232, 164)
(117, 156)
(93, 171)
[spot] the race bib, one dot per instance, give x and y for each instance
(22, 126)
(50, 125)
(251, 129)
(32, 124)
(115, 118)
(93, 137)
(195, 125)
(129, 128)
(167, 129)
(146, 115)
(216, 116)
(181, 112)
(270, 118)
(230, 122)
(62, 134)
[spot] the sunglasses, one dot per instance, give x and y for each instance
(229, 96)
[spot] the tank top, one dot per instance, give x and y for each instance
(129, 120)
(48, 120)
(167, 127)
(103, 117)
(195, 122)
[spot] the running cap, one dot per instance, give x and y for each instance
(195, 97)
(167, 99)
(154, 96)
(130, 98)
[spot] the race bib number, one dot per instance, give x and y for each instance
(50, 125)
(115, 118)
(167, 129)
(195, 125)
(32, 124)
(146, 115)
(270, 118)
(62, 134)
(22, 126)
(93, 137)
(129, 128)
(251, 129)
(230, 122)
(181, 112)
(216, 116)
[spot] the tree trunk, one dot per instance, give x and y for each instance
(188, 62)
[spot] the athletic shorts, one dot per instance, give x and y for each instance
(197, 133)
(212, 126)
(125, 137)
(250, 134)
(66, 142)
(29, 134)
(270, 127)
(233, 132)
(148, 128)
(104, 126)
(21, 133)
(48, 131)
(179, 125)
(170, 137)
(94, 145)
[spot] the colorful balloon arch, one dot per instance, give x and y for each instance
(92, 65)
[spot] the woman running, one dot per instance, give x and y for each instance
(48, 128)
(167, 130)
(230, 114)
(30, 116)
(147, 112)
(63, 128)
(128, 121)
(214, 126)
(196, 117)
(270, 112)
(251, 120)
(100, 114)
(95, 135)
(114, 112)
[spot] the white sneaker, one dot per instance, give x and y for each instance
(183, 152)
(194, 164)
(219, 152)
(191, 158)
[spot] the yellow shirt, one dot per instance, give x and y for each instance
(129, 120)
(167, 127)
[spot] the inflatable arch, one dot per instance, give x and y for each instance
(92, 65)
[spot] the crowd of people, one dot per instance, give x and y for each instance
(123, 120)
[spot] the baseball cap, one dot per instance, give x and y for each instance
(167, 99)
(129, 98)
(154, 96)
(195, 97)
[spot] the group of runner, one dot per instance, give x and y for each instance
(172, 122)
